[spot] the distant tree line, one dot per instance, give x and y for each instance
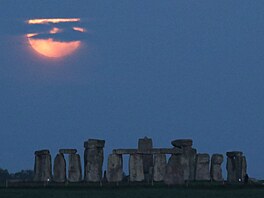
(23, 175)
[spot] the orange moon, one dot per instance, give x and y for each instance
(49, 47)
(53, 49)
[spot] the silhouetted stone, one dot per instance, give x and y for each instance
(74, 169)
(42, 152)
(145, 145)
(93, 160)
(174, 171)
(202, 167)
(159, 167)
(68, 151)
(59, 168)
(136, 172)
(42, 167)
(236, 166)
(114, 168)
(216, 169)
(174, 150)
(94, 143)
(182, 143)
(188, 161)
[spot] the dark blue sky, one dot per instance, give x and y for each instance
(163, 69)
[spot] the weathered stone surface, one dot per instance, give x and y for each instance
(74, 169)
(42, 152)
(136, 172)
(42, 167)
(152, 151)
(94, 143)
(114, 168)
(202, 167)
(182, 143)
(244, 168)
(216, 167)
(236, 167)
(93, 160)
(188, 161)
(159, 167)
(174, 171)
(59, 168)
(234, 153)
(146, 144)
(68, 151)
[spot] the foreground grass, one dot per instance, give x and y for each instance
(132, 192)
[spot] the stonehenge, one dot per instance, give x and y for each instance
(146, 164)
(42, 167)
(93, 160)
(236, 167)
(187, 158)
(174, 171)
(74, 169)
(59, 168)
(202, 167)
(145, 144)
(136, 167)
(216, 168)
(74, 166)
(159, 167)
(114, 168)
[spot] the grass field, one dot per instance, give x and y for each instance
(134, 192)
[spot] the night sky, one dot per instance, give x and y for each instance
(163, 69)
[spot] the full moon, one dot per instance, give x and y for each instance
(49, 47)
(53, 49)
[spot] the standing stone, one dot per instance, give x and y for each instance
(145, 145)
(236, 166)
(42, 167)
(114, 168)
(93, 160)
(59, 168)
(244, 168)
(159, 167)
(174, 171)
(74, 169)
(202, 167)
(136, 172)
(216, 169)
(188, 157)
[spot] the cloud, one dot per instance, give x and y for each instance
(19, 27)
(65, 35)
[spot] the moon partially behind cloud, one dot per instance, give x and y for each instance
(47, 43)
